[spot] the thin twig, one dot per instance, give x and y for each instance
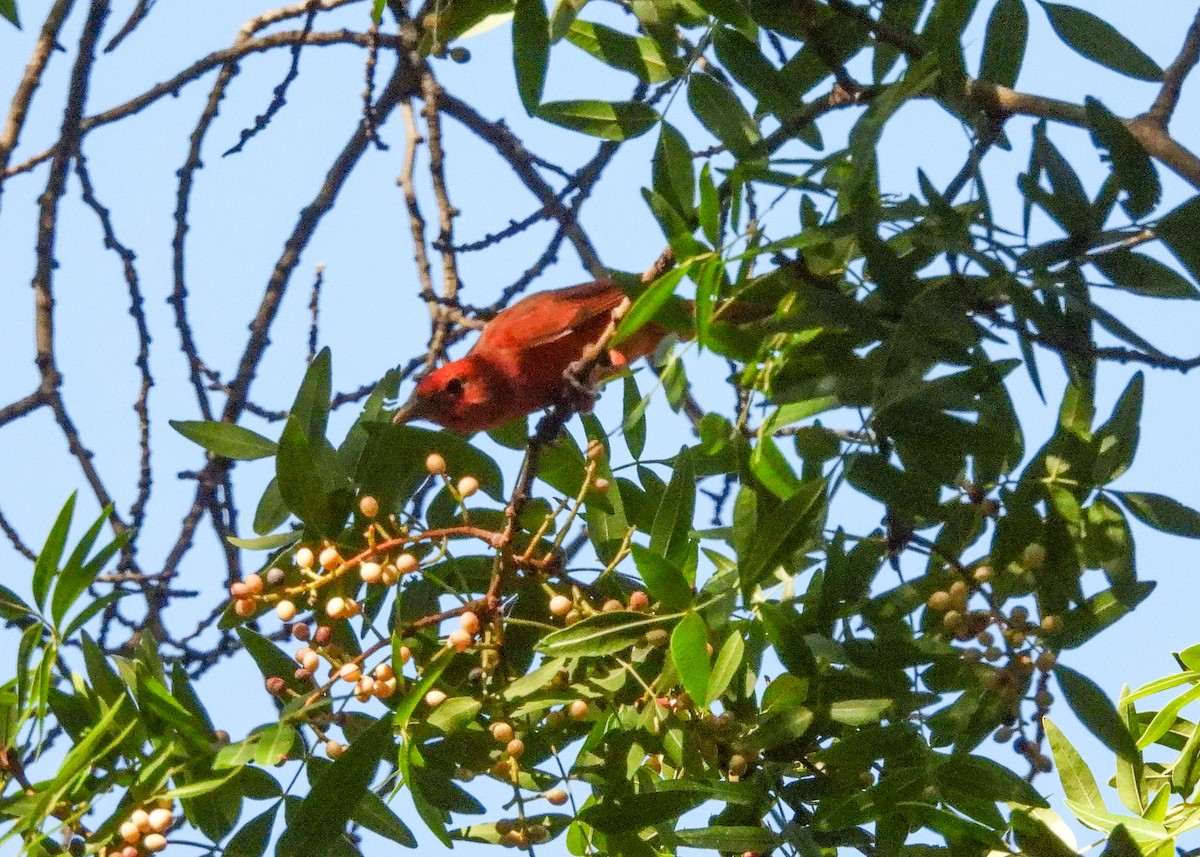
(1163, 109)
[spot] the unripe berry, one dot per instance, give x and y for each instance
(504, 826)
(274, 577)
(405, 563)
(335, 607)
(560, 605)
(333, 749)
(982, 574)
(939, 601)
(515, 748)
(160, 819)
(537, 833)
(601, 486)
(434, 698)
(469, 622)
(578, 709)
(1019, 616)
(951, 620)
(513, 839)
(502, 732)
(638, 600)
(557, 797)
(154, 842)
(330, 558)
(1052, 624)
(285, 610)
(254, 583)
(304, 557)
(350, 672)
(959, 592)
(244, 607)
(1034, 556)
(573, 616)
(1046, 661)
(383, 671)
(612, 605)
(370, 572)
(467, 486)
(435, 464)
(369, 506)
(130, 832)
(459, 639)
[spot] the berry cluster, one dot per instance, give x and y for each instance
(143, 832)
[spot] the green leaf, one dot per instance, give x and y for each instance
(1143, 275)
(311, 407)
(599, 635)
(741, 57)
(336, 793)
(1100, 42)
(1096, 711)
(637, 55)
(225, 439)
(77, 575)
(634, 413)
(8, 10)
(673, 520)
(46, 566)
(727, 838)
(710, 207)
(648, 304)
(1116, 441)
(1132, 167)
(725, 667)
(1078, 783)
(1004, 44)
(609, 120)
(672, 173)
(780, 534)
(454, 714)
(531, 51)
(311, 481)
(265, 543)
(271, 660)
(1165, 718)
(633, 813)
(252, 838)
(1162, 513)
(664, 581)
(720, 111)
(689, 651)
(376, 816)
(677, 230)
(1035, 837)
(1180, 231)
(732, 12)
(1122, 844)
(271, 511)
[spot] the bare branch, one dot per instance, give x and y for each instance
(1163, 109)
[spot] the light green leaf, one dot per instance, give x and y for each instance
(225, 439)
(1079, 785)
(689, 651)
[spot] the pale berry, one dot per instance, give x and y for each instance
(435, 464)
(254, 583)
(330, 558)
(154, 842)
(335, 607)
(130, 832)
(334, 749)
(601, 486)
(612, 605)
(469, 622)
(502, 732)
(383, 671)
(557, 797)
(560, 605)
(350, 672)
(160, 819)
(385, 688)
(285, 610)
(595, 450)
(370, 572)
(434, 698)
(405, 563)
(304, 557)
(515, 748)
(467, 486)
(369, 506)
(578, 709)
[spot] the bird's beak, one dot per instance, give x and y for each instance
(411, 410)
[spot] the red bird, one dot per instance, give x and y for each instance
(517, 365)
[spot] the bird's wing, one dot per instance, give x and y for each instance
(549, 316)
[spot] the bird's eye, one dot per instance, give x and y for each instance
(454, 387)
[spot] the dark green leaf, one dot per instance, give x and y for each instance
(271, 660)
(271, 511)
(252, 838)
(1095, 711)
(1099, 612)
(336, 793)
(376, 816)
(689, 651)
(720, 111)
(1100, 42)
(673, 520)
(1180, 231)
(664, 581)
(633, 408)
(672, 173)
(1162, 513)
(1143, 275)
(1132, 167)
(225, 439)
(732, 12)
(310, 479)
(46, 566)
(710, 208)
(77, 575)
(1117, 440)
(1121, 844)
(8, 10)
(1036, 838)
(633, 813)
(609, 120)
(742, 58)
(1004, 44)
(311, 407)
(778, 535)
(531, 51)
(677, 230)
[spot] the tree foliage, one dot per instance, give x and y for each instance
(563, 652)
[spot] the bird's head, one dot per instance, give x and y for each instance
(461, 396)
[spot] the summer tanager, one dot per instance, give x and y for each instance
(517, 365)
